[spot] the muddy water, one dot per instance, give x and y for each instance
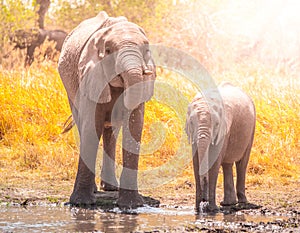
(146, 219)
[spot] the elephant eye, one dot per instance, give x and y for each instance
(147, 55)
(107, 51)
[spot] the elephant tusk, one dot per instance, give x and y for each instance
(146, 71)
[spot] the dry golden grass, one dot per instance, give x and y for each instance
(34, 107)
(33, 110)
(275, 153)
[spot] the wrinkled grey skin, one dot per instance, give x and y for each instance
(34, 38)
(93, 98)
(223, 133)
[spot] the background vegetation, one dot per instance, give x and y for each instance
(249, 44)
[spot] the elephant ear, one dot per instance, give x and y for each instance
(95, 69)
(71, 51)
(217, 112)
(192, 120)
(189, 129)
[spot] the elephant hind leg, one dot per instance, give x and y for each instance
(241, 168)
(108, 174)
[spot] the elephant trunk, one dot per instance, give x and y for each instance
(203, 144)
(130, 65)
(133, 94)
(203, 148)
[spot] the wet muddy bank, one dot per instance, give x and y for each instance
(41, 217)
(36, 215)
(168, 209)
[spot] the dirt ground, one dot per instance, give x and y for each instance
(282, 201)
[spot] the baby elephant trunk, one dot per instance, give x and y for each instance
(204, 139)
(131, 66)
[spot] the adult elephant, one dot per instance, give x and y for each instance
(56, 36)
(108, 73)
(30, 39)
(220, 125)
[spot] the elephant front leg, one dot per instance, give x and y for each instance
(84, 187)
(214, 163)
(108, 174)
(212, 185)
(228, 184)
(132, 133)
(83, 192)
(198, 197)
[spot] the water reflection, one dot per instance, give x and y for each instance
(117, 222)
(71, 219)
(84, 219)
(98, 220)
(233, 217)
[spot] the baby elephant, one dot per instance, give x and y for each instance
(220, 125)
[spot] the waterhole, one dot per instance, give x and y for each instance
(145, 219)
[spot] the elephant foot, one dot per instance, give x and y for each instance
(109, 187)
(248, 206)
(228, 208)
(211, 209)
(239, 206)
(205, 207)
(227, 203)
(129, 199)
(82, 197)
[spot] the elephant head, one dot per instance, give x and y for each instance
(114, 52)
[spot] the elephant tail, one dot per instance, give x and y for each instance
(68, 125)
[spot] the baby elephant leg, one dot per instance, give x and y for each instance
(241, 168)
(229, 191)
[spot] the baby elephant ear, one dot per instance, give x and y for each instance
(219, 128)
(190, 125)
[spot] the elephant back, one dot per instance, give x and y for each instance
(71, 50)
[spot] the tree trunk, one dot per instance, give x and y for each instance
(44, 5)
